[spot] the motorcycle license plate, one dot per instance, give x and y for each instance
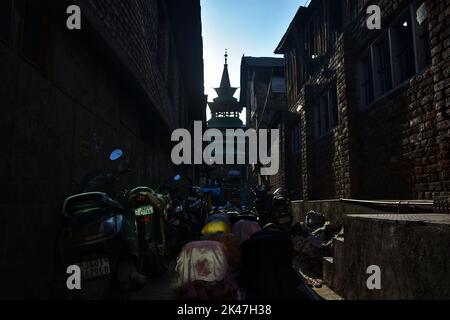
(94, 268)
(143, 211)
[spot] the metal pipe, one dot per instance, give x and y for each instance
(393, 202)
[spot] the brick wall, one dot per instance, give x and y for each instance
(99, 90)
(398, 147)
(325, 160)
(292, 156)
(402, 147)
(132, 30)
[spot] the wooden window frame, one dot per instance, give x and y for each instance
(382, 67)
(365, 83)
(396, 79)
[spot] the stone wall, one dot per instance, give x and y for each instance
(410, 250)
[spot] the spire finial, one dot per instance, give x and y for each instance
(226, 56)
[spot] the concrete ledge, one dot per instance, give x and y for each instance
(334, 210)
(411, 250)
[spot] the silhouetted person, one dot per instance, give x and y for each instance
(267, 271)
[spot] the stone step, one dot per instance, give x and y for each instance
(409, 250)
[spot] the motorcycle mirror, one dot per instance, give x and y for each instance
(116, 154)
(177, 178)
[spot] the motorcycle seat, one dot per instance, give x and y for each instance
(88, 202)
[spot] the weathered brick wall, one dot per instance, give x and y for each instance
(402, 148)
(132, 30)
(399, 147)
(275, 108)
(326, 160)
(305, 136)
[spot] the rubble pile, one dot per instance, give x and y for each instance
(313, 240)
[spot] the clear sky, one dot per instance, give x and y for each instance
(249, 27)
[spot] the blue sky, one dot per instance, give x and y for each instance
(250, 27)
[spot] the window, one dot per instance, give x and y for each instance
(278, 85)
(397, 56)
(382, 67)
(403, 48)
(5, 19)
(366, 76)
(326, 116)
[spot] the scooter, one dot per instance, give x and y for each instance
(100, 238)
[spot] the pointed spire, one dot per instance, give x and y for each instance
(225, 88)
(225, 105)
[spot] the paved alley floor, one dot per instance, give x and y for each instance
(160, 288)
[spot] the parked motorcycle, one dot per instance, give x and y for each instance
(180, 228)
(100, 236)
(196, 207)
(147, 208)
